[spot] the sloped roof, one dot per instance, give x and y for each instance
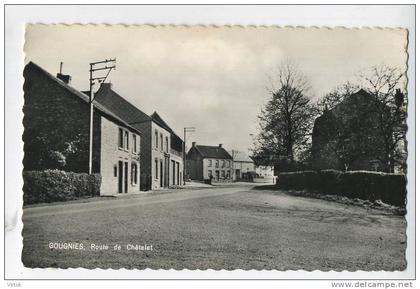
(124, 109)
(213, 152)
(156, 117)
(239, 156)
(106, 111)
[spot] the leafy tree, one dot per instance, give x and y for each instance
(286, 119)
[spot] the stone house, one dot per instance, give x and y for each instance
(161, 149)
(209, 162)
(243, 165)
(56, 133)
(347, 137)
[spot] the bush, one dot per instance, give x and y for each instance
(54, 185)
(389, 188)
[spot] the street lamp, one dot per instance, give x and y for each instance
(186, 129)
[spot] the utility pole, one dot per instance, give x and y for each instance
(94, 67)
(186, 129)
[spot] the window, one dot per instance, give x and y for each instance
(134, 143)
(223, 174)
(223, 163)
(126, 140)
(156, 168)
(161, 142)
(228, 164)
(217, 163)
(210, 173)
(166, 144)
(115, 171)
(134, 173)
(120, 138)
(210, 163)
(156, 139)
(228, 174)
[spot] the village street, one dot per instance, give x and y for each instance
(226, 227)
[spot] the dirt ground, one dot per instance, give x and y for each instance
(236, 227)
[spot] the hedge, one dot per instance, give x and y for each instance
(389, 188)
(55, 185)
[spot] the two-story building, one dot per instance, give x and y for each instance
(209, 162)
(243, 165)
(161, 149)
(56, 133)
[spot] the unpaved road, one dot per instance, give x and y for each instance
(234, 227)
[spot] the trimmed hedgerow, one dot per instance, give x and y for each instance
(55, 185)
(389, 188)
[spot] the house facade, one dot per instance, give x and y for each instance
(161, 149)
(56, 133)
(209, 162)
(347, 137)
(243, 165)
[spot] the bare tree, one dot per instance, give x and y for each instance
(385, 84)
(335, 97)
(286, 119)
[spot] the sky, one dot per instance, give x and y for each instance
(215, 79)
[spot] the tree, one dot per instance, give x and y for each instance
(335, 97)
(384, 83)
(286, 119)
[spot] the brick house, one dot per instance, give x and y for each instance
(347, 137)
(161, 149)
(56, 133)
(243, 165)
(204, 162)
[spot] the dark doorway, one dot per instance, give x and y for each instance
(125, 177)
(177, 173)
(173, 173)
(166, 178)
(120, 177)
(161, 173)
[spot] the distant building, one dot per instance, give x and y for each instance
(56, 133)
(265, 171)
(347, 137)
(243, 165)
(161, 154)
(209, 162)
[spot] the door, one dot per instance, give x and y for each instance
(217, 175)
(166, 179)
(177, 173)
(238, 174)
(161, 173)
(173, 173)
(125, 177)
(120, 177)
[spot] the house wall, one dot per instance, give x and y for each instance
(243, 167)
(176, 172)
(159, 155)
(225, 170)
(347, 137)
(111, 154)
(194, 169)
(146, 146)
(56, 126)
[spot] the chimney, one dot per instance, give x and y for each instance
(193, 143)
(63, 77)
(220, 145)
